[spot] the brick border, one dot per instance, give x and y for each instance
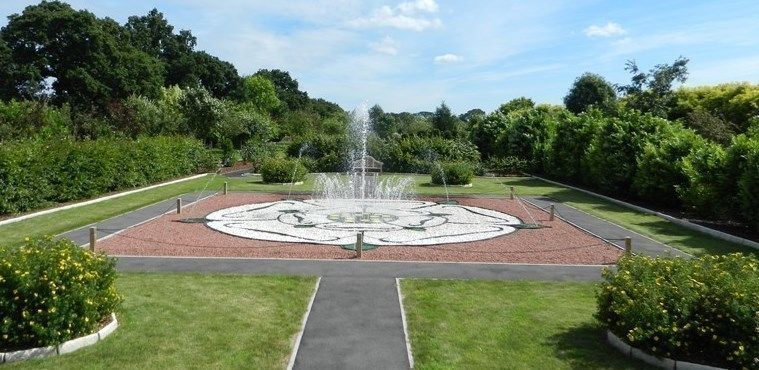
(63, 348)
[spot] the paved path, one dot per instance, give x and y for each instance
(607, 230)
(355, 321)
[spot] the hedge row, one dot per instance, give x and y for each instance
(37, 173)
(627, 154)
(52, 291)
(419, 154)
(703, 310)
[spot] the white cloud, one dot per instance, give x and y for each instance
(385, 46)
(403, 16)
(447, 58)
(607, 30)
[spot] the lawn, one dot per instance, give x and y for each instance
(458, 324)
(183, 321)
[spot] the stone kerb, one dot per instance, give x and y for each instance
(661, 362)
(63, 348)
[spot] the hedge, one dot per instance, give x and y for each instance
(52, 291)
(38, 173)
(703, 310)
(418, 154)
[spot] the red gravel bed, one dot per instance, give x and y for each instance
(560, 243)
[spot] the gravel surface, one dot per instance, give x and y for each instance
(559, 243)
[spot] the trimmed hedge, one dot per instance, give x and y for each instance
(37, 173)
(283, 171)
(703, 310)
(455, 173)
(52, 291)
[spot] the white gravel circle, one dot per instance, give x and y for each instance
(384, 222)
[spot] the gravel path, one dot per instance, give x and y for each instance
(560, 243)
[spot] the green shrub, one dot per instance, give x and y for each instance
(52, 291)
(257, 152)
(506, 165)
(454, 173)
(703, 310)
(704, 191)
(748, 180)
(283, 171)
(417, 154)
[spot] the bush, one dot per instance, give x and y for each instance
(567, 149)
(700, 310)
(52, 291)
(283, 171)
(417, 154)
(40, 172)
(506, 165)
(704, 191)
(454, 173)
(256, 152)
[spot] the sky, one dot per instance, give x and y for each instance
(412, 55)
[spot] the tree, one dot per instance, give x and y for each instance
(444, 121)
(154, 35)
(287, 89)
(652, 91)
(383, 124)
(466, 117)
(590, 90)
(220, 78)
(516, 104)
(259, 93)
(75, 57)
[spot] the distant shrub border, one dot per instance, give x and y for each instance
(54, 296)
(703, 310)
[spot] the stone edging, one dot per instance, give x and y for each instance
(63, 348)
(661, 362)
(674, 220)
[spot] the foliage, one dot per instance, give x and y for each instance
(484, 131)
(36, 173)
(256, 152)
(382, 124)
(660, 172)
(527, 134)
(417, 154)
(26, 118)
(329, 152)
(701, 310)
(283, 171)
(287, 89)
(259, 93)
(567, 148)
(590, 90)
(710, 127)
(516, 105)
(444, 121)
(52, 291)
(734, 103)
(703, 192)
(746, 174)
(452, 173)
(651, 91)
(504, 166)
(611, 156)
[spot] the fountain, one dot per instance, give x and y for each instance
(382, 209)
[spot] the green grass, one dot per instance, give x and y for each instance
(182, 321)
(506, 325)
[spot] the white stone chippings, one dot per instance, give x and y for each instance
(384, 222)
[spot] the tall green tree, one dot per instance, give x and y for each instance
(88, 60)
(444, 121)
(287, 89)
(383, 124)
(220, 78)
(590, 90)
(259, 93)
(651, 91)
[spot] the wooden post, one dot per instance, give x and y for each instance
(179, 205)
(552, 213)
(93, 238)
(226, 188)
(511, 192)
(359, 244)
(628, 245)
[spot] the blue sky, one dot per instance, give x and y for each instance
(411, 55)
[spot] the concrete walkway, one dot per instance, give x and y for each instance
(607, 230)
(356, 321)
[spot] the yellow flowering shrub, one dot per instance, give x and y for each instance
(52, 291)
(703, 310)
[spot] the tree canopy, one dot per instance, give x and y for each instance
(589, 90)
